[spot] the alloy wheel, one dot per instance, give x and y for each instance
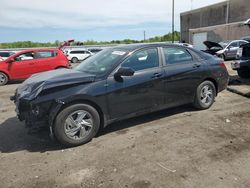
(78, 125)
(207, 95)
(3, 79)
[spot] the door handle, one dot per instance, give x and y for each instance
(157, 75)
(31, 63)
(196, 65)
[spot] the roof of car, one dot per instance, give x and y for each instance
(132, 47)
(37, 50)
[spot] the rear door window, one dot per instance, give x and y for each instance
(176, 56)
(45, 54)
(242, 43)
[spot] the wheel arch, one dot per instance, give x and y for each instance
(9, 78)
(214, 82)
(80, 101)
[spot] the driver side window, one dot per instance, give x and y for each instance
(25, 56)
(144, 59)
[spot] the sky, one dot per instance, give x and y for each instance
(100, 20)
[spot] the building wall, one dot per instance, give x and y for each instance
(217, 15)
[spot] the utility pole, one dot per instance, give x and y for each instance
(228, 9)
(173, 21)
(144, 34)
(227, 18)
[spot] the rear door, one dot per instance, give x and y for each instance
(183, 73)
(141, 92)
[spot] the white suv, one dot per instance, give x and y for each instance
(78, 55)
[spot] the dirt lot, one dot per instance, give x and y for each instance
(173, 148)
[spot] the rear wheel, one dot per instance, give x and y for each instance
(205, 95)
(76, 125)
(244, 73)
(74, 60)
(3, 79)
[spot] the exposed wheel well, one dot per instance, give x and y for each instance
(61, 67)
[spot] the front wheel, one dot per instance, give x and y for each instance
(3, 79)
(205, 95)
(76, 125)
(222, 56)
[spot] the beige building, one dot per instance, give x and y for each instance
(218, 22)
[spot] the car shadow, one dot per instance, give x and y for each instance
(15, 82)
(15, 137)
(235, 80)
(119, 126)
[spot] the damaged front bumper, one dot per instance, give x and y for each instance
(34, 115)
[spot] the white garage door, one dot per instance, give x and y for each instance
(198, 39)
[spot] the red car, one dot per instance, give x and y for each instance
(23, 64)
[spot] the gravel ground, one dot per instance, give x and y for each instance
(178, 147)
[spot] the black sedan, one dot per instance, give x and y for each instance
(116, 84)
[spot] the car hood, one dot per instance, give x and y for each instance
(210, 44)
(33, 86)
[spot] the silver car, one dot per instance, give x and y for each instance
(226, 49)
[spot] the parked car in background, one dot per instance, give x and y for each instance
(247, 38)
(185, 44)
(242, 65)
(23, 64)
(5, 54)
(116, 84)
(78, 55)
(94, 50)
(226, 49)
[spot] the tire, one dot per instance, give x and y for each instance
(68, 133)
(74, 60)
(3, 79)
(222, 56)
(205, 90)
(244, 73)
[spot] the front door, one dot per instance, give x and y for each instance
(141, 92)
(23, 66)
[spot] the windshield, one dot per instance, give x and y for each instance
(102, 63)
(224, 43)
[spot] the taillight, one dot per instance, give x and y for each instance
(222, 65)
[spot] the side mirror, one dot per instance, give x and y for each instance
(124, 71)
(11, 60)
